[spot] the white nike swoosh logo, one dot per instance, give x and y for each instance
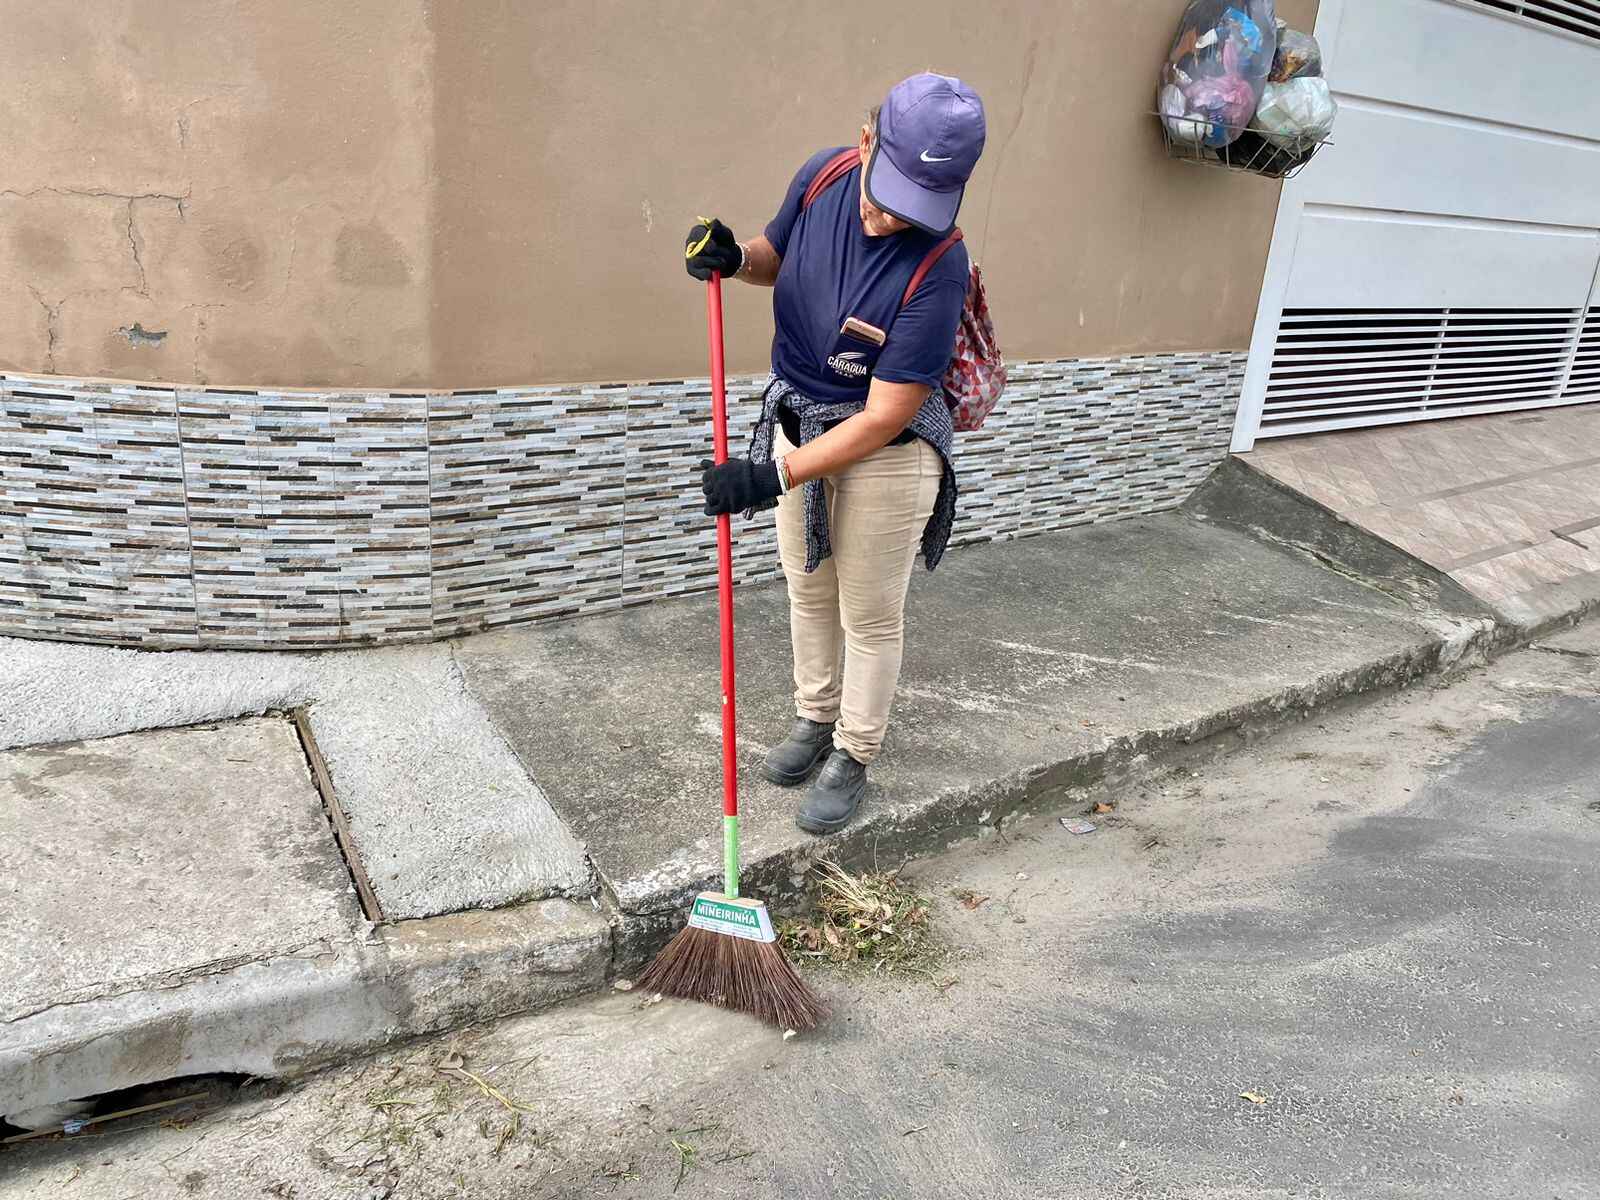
(925, 158)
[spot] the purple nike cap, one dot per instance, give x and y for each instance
(930, 134)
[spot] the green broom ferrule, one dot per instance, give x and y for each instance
(730, 857)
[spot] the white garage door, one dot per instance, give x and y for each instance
(1443, 256)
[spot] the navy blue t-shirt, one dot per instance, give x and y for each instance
(832, 271)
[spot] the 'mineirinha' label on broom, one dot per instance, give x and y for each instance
(740, 918)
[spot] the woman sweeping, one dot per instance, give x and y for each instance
(854, 438)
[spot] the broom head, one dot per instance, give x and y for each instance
(728, 956)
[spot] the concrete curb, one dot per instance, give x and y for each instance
(287, 1015)
(931, 824)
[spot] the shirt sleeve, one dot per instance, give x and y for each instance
(923, 335)
(782, 225)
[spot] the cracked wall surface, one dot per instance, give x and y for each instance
(197, 172)
(387, 193)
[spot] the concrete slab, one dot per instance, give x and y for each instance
(444, 817)
(1029, 667)
(64, 692)
(143, 860)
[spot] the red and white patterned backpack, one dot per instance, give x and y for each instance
(977, 373)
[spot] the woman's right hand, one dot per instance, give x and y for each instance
(719, 253)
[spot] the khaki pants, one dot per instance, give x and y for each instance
(855, 601)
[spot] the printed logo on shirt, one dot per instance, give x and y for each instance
(849, 364)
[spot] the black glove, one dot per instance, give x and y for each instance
(720, 252)
(738, 485)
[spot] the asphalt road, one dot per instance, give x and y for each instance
(1361, 959)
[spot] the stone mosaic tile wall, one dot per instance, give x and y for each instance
(172, 517)
(308, 516)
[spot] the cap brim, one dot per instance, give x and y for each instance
(931, 212)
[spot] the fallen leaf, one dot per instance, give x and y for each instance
(1254, 1097)
(972, 900)
(1102, 807)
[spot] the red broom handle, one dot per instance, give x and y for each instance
(719, 442)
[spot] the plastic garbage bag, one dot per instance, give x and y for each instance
(1298, 55)
(1174, 104)
(1226, 103)
(1296, 114)
(1218, 63)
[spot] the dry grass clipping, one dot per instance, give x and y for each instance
(873, 921)
(417, 1097)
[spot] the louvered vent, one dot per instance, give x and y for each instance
(1333, 370)
(1585, 379)
(1571, 16)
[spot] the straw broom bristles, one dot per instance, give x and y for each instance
(735, 973)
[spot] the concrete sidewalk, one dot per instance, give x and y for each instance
(1030, 668)
(567, 777)
(1382, 923)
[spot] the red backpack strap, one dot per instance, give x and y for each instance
(926, 265)
(835, 169)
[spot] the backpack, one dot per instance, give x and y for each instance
(977, 373)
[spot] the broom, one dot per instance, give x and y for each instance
(728, 954)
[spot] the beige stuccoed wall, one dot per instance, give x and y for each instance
(576, 142)
(251, 178)
(394, 192)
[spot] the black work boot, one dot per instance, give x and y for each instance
(791, 762)
(835, 796)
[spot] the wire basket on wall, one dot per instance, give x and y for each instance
(1248, 151)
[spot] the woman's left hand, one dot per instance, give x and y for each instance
(738, 485)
